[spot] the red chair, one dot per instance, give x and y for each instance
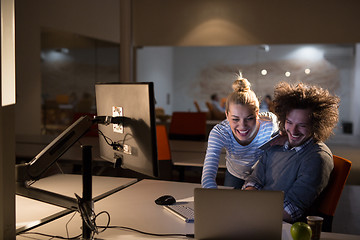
(329, 198)
(188, 126)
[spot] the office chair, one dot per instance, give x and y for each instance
(188, 126)
(198, 109)
(197, 106)
(215, 114)
(164, 153)
(329, 198)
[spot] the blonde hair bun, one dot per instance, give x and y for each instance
(242, 94)
(241, 85)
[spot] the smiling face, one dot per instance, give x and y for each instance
(298, 126)
(243, 122)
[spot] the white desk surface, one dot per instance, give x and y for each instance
(134, 207)
(29, 211)
(68, 184)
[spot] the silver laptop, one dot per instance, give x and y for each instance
(238, 214)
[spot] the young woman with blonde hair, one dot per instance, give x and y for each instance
(240, 134)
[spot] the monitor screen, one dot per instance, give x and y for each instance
(130, 144)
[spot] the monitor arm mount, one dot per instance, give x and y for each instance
(33, 170)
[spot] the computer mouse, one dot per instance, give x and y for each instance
(165, 200)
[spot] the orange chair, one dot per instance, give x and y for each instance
(329, 198)
(164, 153)
(188, 126)
(62, 99)
(163, 145)
(197, 106)
(223, 102)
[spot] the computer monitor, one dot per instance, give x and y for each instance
(132, 143)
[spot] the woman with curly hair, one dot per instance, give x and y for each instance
(301, 167)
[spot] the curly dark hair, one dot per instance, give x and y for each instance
(324, 107)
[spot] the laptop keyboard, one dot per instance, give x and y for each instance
(182, 211)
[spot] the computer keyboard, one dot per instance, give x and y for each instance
(184, 212)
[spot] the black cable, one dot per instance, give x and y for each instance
(151, 234)
(51, 236)
(114, 145)
(128, 134)
(87, 213)
(108, 223)
(118, 227)
(105, 137)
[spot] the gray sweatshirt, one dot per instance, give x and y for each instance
(301, 175)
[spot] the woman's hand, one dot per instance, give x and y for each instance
(250, 188)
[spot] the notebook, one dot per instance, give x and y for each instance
(238, 214)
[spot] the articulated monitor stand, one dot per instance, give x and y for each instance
(71, 204)
(48, 156)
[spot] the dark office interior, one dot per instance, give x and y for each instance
(189, 49)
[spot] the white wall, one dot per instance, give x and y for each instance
(199, 71)
(196, 73)
(155, 64)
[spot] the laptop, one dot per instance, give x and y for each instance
(238, 214)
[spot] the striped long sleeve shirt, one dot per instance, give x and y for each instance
(239, 159)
